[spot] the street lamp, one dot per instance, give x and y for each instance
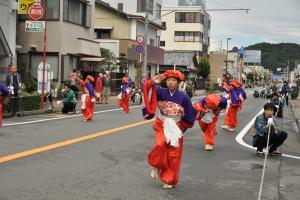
(227, 56)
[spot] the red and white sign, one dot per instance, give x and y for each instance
(140, 39)
(36, 12)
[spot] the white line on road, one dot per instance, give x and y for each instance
(65, 117)
(239, 137)
(71, 116)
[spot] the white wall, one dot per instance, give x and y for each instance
(112, 45)
(169, 35)
(130, 7)
(8, 23)
(152, 33)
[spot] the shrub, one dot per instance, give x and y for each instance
(295, 92)
(27, 102)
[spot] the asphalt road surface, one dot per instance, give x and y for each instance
(68, 159)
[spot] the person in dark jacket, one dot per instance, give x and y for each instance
(13, 81)
(262, 125)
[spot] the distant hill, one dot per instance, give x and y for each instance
(277, 55)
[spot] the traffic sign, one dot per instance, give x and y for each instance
(139, 48)
(140, 39)
(23, 6)
(34, 26)
(36, 12)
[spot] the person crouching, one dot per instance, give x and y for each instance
(208, 110)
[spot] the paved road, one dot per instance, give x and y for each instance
(113, 165)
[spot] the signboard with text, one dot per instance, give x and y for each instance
(252, 56)
(192, 3)
(34, 26)
(23, 6)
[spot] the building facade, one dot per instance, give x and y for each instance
(187, 30)
(138, 7)
(8, 13)
(117, 31)
(70, 43)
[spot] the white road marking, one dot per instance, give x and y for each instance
(239, 137)
(71, 116)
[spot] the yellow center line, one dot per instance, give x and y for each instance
(69, 142)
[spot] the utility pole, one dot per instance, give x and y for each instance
(227, 56)
(146, 42)
(287, 71)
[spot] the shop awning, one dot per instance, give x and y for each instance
(92, 59)
(104, 27)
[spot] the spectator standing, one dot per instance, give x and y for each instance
(106, 87)
(13, 81)
(99, 88)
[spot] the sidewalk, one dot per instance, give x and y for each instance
(289, 175)
(295, 103)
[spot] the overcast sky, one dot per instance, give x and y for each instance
(273, 21)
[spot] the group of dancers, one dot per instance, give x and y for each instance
(177, 114)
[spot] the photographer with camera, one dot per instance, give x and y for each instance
(264, 125)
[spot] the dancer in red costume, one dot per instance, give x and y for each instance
(124, 101)
(176, 114)
(208, 110)
(236, 93)
(88, 97)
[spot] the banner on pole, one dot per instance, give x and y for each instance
(48, 77)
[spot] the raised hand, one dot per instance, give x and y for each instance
(157, 79)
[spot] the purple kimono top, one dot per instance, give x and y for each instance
(177, 100)
(90, 88)
(124, 87)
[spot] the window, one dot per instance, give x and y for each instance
(77, 12)
(52, 9)
(120, 7)
(162, 43)
(181, 36)
(158, 11)
(141, 5)
(188, 17)
(151, 7)
(152, 42)
(102, 33)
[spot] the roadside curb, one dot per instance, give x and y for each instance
(28, 113)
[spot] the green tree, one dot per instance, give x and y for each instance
(203, 68)
(123, 63)
(110, 62)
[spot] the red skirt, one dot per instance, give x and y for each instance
(166, 158)
(124, 102)
(209, 130)
(88, 113)
(231, 116)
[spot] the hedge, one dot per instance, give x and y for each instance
(27, 102)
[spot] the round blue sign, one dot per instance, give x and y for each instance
(139, 48)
